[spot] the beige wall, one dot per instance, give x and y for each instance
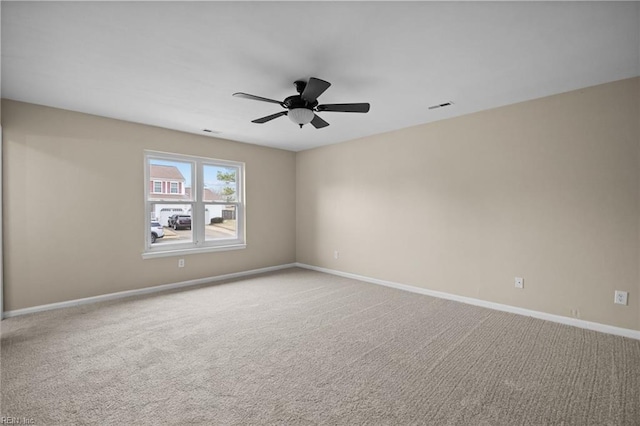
(547, 190)
(73, 186)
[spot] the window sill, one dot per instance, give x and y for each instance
(184, 252)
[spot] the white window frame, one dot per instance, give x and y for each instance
(198, 206)
(171, 188)
(155, 182)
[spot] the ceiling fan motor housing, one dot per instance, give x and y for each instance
(296, 101)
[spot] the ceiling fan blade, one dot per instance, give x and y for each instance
(269, 117)
(315, 87)
(257, 98)
(344, 107)
(318, 122)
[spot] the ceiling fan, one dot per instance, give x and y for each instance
(302, 108)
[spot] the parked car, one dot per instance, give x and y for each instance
(179, 221)
(157, 231)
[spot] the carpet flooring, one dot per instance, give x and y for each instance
(299, 347)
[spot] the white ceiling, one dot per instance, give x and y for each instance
(176, 64)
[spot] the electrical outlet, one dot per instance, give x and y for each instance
(620, 297)
(519, 282)
(336, 254)
(180, 263)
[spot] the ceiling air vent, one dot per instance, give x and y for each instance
(446, 104)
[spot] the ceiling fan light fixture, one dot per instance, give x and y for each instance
(301, 116)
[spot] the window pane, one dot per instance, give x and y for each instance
(170, 180)
(174, 223)
(220, 222)
(220, 183)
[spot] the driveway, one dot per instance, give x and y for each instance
(211, 232)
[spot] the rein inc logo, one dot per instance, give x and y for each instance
(17, 421)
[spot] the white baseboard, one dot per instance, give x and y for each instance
(142, 291)
(603, 328)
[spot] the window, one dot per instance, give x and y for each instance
(174, 187)
(199, 203)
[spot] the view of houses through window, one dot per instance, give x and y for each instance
(193, 202)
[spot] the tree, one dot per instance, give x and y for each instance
(227, 177)
(228, 193)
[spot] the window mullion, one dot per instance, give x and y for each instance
(197, 222)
